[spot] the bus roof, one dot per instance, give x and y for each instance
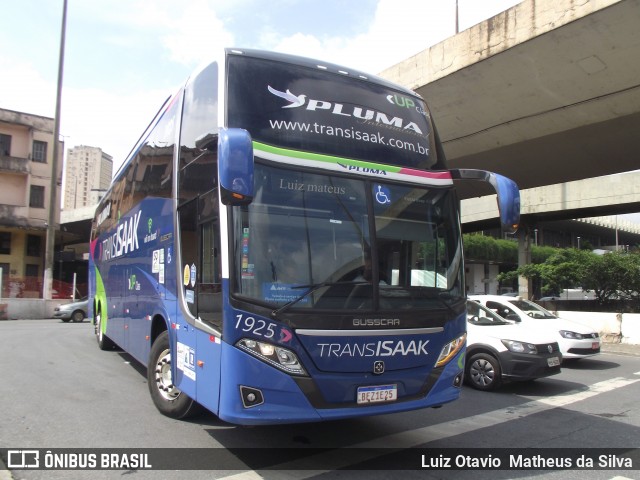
(319, 64)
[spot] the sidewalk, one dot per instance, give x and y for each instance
(621, 348)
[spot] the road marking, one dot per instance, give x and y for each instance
(410, 439)
(595, 389)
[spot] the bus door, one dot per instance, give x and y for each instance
(200, 245)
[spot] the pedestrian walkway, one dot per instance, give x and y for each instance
(621, 348)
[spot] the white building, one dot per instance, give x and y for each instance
(87, 169)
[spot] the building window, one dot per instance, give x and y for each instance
(39, 151)
(36, 198)
(5, 244)
(32, 270)
(5, 144)
(34, 246)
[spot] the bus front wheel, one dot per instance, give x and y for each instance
(168, 399)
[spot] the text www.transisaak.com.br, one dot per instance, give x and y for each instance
(350, 134)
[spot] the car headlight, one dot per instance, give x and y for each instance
(571, 335)
(520, 347)
(450, 349)
(279, 357)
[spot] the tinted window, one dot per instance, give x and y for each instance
(313, 110)
(197, 168)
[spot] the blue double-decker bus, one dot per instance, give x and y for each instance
(283, 244)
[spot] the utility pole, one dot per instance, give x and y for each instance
(53, 189)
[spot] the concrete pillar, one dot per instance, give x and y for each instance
(524, 258)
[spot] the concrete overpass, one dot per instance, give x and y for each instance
(591, 197)
(546, 92)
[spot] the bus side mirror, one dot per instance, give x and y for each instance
(235, 166)
(507, 190)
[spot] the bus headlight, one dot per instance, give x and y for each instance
(450, 350)
(279, 357)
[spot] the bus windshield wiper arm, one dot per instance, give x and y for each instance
(311, 288)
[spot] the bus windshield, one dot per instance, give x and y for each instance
(328, 242)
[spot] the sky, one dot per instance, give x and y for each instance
(123, 58)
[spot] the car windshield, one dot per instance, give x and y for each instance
(480, 315)
(318, 241)
(531, 309)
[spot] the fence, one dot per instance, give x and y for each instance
(31, 287)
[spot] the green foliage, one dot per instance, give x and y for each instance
(613, 276)
(485, 248)
(539, 254)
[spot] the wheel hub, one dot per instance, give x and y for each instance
(163, 377)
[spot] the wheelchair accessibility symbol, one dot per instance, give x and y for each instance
(383, 196)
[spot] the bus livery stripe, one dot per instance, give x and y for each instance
(329, 162)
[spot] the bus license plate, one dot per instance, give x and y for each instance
(376, 394)
(553, 361)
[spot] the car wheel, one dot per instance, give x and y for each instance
(483, 372)
(77, 316)
(168, 399)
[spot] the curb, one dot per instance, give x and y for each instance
(4, 473)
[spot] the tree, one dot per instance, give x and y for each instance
(612, 276)
(559, 269)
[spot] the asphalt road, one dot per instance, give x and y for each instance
(61, 392)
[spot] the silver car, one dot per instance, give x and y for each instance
(76, 311)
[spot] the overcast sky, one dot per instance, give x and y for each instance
(124, 57)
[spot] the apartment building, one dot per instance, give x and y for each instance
(87, 172)
(26, 153)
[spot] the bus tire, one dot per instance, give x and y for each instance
(167, 398)
(104, 342)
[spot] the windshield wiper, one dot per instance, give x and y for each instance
(312, 288)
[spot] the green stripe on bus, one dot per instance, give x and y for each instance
(322, 158)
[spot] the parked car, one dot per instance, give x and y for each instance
(76, 311)
(575, 339)
(500, 351)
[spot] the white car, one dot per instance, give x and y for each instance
(575, 339)
(499, 351)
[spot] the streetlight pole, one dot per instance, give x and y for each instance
(53, 207)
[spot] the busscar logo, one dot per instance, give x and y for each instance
(376, 322)
(367, 114)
